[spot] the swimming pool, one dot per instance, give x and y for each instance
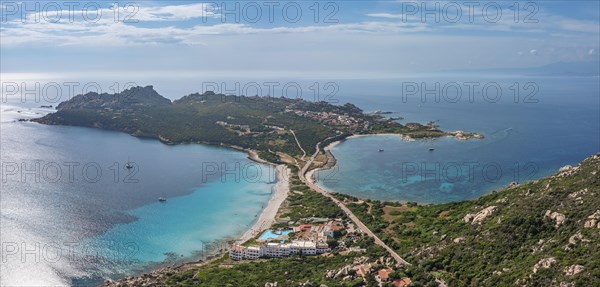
(270, 234)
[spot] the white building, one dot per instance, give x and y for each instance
(278, 250)
(304, 247)
(253, 252)
(322, 248)
(237, 252)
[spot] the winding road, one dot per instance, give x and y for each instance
(310, 183)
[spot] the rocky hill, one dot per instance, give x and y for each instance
(542, 233)
(271, 126)
(135, 97)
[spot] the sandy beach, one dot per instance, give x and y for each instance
(267, 217)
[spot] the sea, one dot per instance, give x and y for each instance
(72, 214)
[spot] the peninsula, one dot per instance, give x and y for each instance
(276, 128)
(287, 132)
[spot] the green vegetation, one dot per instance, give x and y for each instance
(302, 202)
(504, 249)
(294, 270)
(291, 271)
(532, 235)
(259, 123)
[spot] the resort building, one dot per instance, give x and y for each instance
(302, 246)
(253, 252)
(278, 250)
(237, 252)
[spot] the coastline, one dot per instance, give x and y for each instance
(332, 161)
(264, 221)
(268, 214)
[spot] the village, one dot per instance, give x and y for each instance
(333, 119)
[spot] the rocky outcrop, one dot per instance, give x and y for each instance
(567, 170)
(131, 98)
(544, 263)
(593, 221)
(573, 270)
(578, 237)
(458, 240)
(558, 218)
(477, 218)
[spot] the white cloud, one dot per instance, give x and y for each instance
(177, 12)
(108, 32)
(386, 15)
(507, 21)
(533, 52)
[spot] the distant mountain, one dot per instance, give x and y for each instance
(579, 69)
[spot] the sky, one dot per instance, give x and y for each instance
(343, 39)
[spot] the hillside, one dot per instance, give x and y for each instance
(266, 124)
(542, 233)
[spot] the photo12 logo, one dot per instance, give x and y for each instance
(57, 92)
(237, 171)
(471, 92)
(469, 11)
(67, 172)
(313, 91)
(452, 172)
(271, 11)
(30, 12)
(54, 252)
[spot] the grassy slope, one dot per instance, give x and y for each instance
(504, 249)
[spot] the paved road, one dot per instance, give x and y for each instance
(349, 213)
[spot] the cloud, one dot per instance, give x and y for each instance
(177, 12)
(386, 15)
(107, 32)
(504, 21)
(533, 52)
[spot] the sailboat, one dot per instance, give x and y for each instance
(128, 165)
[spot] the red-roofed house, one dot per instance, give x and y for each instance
(402, 282)
(305, 227)
(384, 274)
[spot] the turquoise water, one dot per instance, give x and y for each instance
(115, 226)
(269, 234)
(523, 141)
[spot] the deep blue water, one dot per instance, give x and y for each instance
(84, 229)
(523, 141)
(116, 228)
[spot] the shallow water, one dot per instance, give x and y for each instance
(84, 217)
(523, 141)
